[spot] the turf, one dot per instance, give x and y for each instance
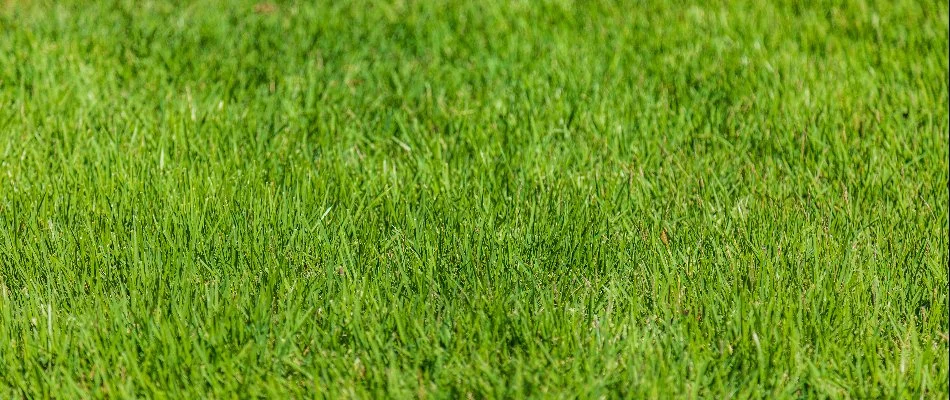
(448, 199)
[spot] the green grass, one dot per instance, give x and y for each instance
(448, 199)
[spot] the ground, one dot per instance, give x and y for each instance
(451, 199)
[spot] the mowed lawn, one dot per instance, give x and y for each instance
(492, 199)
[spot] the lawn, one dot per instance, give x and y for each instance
(493, 199)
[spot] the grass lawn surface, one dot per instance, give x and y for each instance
(492, 199)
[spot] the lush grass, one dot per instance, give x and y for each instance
(474, 199)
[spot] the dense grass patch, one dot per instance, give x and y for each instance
(474, 199)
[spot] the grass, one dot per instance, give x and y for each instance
(641, 199)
